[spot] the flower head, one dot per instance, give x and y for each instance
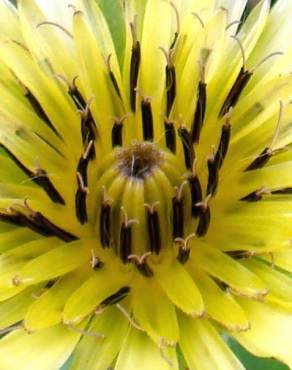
(145, 195)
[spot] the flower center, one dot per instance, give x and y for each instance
(139, 160)
(145, 202)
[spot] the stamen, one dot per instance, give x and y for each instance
(184, 250)
(178, 212)
(232, 24)
(126, 236)
(95, 262)
(112, 77)
(239, 84)
(116, 297)
(284, 191)
(147, 119)
(204, 217)
(196, 190)
(265, 59)
(177, 32)
(80, 200)
(164, 356)
(141, 264)
(86, 332)
(105, 224)
(38, 109)
(189, 152)
(213, 176)
(11, 329)
(36, 222)
(153, 227)
(88, 127)
(196, 15)
(238, 254)
(74, 93)
(256, 195)
(224, 141)
(117, 137)
(42, 179)
(170, 80)
(170, 136)
(200, 110)
(49, 23)
(129, 317)
(263, 158)
(134, 66)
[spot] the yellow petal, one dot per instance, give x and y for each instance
(271, 330)
(179, 287)
(87, 298)
(204, 348)
(54, 263)
(95, 352)
(47, 309)
(226, 269)
(139, 352)
(14, 309)
(220, 305)
(44, 350)
(159, 320)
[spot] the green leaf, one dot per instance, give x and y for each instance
(114, 15)
(255, 363)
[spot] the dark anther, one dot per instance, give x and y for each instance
(144, 269)
(183, 255)
(196, 193)
(236, 90)
(237, 254)
(50, 284)
(117, 138)
(42, 179)
(115, 84)
(213, 176)
(113, 78)
(147, 119)
(200, 111)
(170, 87)
(170, 136)
(261, 160)
(204, 218)
(80, 200)
(256, 195)
(88, 130)
(223, 144)
(184, 249)
(126, 237)
(39, 110)
(76, 95)
(125, 242)
(141, 264)
(116, 297)
(188, 148)
(96, 263)
(38, 223)
(153, 229)
(134, 67)
(104, 224)
(178, 213)
(82, 168)
(284, 191)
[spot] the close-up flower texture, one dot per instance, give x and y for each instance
(145, 183)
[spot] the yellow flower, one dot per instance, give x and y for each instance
(145, 194)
